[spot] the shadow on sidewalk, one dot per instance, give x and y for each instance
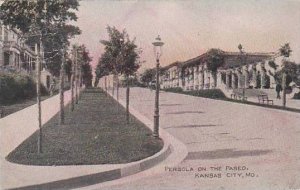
(224, 153)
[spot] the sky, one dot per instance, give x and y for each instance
(189, 28)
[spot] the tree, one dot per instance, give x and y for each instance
(122, 57)
(147, 76)
(214, 60)
(285, 50)
(37, 20)
(87, 75)
(102, 70)
(292, 70)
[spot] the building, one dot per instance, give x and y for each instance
(17, 56)
(239, 70)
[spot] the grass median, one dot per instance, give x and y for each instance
(94, 133)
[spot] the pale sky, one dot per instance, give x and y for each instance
(190, 28)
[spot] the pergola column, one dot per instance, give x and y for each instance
(191, 78)
(254, 77)
(196, 82)
(246, 74)
(227, 79)
(240, 76)
(180, 78)
(212, 80)
(233, 80)
(263, 77)
(201, 78)
(219, 78)
(205, 73)
(186, 81)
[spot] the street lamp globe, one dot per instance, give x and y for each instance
(158, 47)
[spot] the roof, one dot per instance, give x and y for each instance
(235, 59)
(231, 59)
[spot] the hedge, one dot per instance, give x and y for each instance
(208, 93)
(16, 87)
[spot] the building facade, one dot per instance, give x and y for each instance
(239, 70)
(16, 55)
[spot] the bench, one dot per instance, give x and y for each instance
(237, 96)
(264, 98)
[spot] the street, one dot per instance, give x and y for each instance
(231, 146)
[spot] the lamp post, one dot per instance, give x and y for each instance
(158, 52)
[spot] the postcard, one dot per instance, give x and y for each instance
(150, 95)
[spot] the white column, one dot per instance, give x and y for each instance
(206, 79)
(228, 79)
(196, 81)
(219, 78)
(180, 78)
(212, 80)
(263, 76)
(233, 86)
(239, 75)
(186, 79)
(254, 77)
(191, 80)
(246, 74)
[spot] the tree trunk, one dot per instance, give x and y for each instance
(76, 77)
(38, 96)
(117, 88)
(72, 87)
(80, 81)
(127, 99)
(105, 83)
(61, 92)
(284, 89)
(113, 85)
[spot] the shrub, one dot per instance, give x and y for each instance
(297, 96)
(176, 89)
(208, 93)
(15, 87)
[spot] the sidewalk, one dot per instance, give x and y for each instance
(19, 126)
(221, 133)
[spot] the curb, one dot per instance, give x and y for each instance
(127, 170)
(87, 180)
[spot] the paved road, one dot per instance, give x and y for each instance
(264, 142)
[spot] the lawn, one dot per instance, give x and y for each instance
(8, 109)
(94, 133)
